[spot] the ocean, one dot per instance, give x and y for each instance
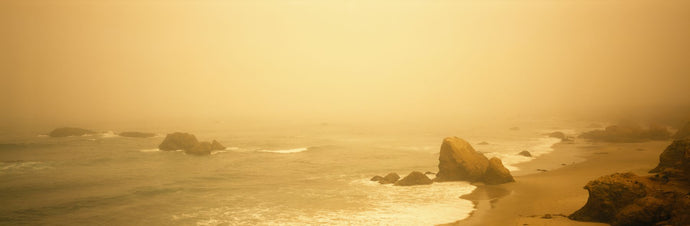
(288, 175)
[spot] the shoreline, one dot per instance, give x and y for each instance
(558, 190)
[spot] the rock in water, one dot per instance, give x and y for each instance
(558, 134)
(414, 178)
(69, 131)
(136, 134)
(683, 132)
(459, 161)
(376, 178)
(178, 141)
(216, 146)
(497, 173)
(483, 143)
(525, 153)
(202, 148)
(390, 178)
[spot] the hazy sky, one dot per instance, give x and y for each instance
(66, 61)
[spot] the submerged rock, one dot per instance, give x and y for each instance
(69, 131)
(136, 134)
(459, 161)
(414, 178)
(389, 178)
(525, 153)
(178, 141)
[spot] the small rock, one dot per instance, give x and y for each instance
(525, 153)
(547, 216)
(389, 178)
(414, 178)
(483, 143)
(376, 178)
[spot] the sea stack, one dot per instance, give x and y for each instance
(189, 144)
(459, 161)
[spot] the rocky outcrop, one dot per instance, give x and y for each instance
(414, 178)
(389, 178)
(69, 131)
(136, 134)
(683, 132)
(525, 153)
(459, 161)
(675, 160)
(628, 199)
(627, 132)
(188, 143)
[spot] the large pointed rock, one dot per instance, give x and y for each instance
(459, 161)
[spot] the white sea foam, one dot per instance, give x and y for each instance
(286, 151)
(109, 134)
(232, 148)
(383, 205)
(507, 152)
(150, 150)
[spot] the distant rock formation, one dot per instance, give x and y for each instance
(683, 132)
(628, 199)
(558, 134)
(390, 178)
(136, 134)
(414, 178)
(188, 143)
(69, 131)
(483, 143)
(525, 153)
(628, 132)
(178, 141)
(216, 146)
(459, 161)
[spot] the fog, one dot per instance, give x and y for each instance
(74, 62)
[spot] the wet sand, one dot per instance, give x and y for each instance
(559, 190)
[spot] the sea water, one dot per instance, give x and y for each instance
(299, 175)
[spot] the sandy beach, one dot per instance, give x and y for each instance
(558, 191)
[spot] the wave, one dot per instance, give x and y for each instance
(150, 150)
(286, 151)
(14, 166)
(108, 134)
(508, 153)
